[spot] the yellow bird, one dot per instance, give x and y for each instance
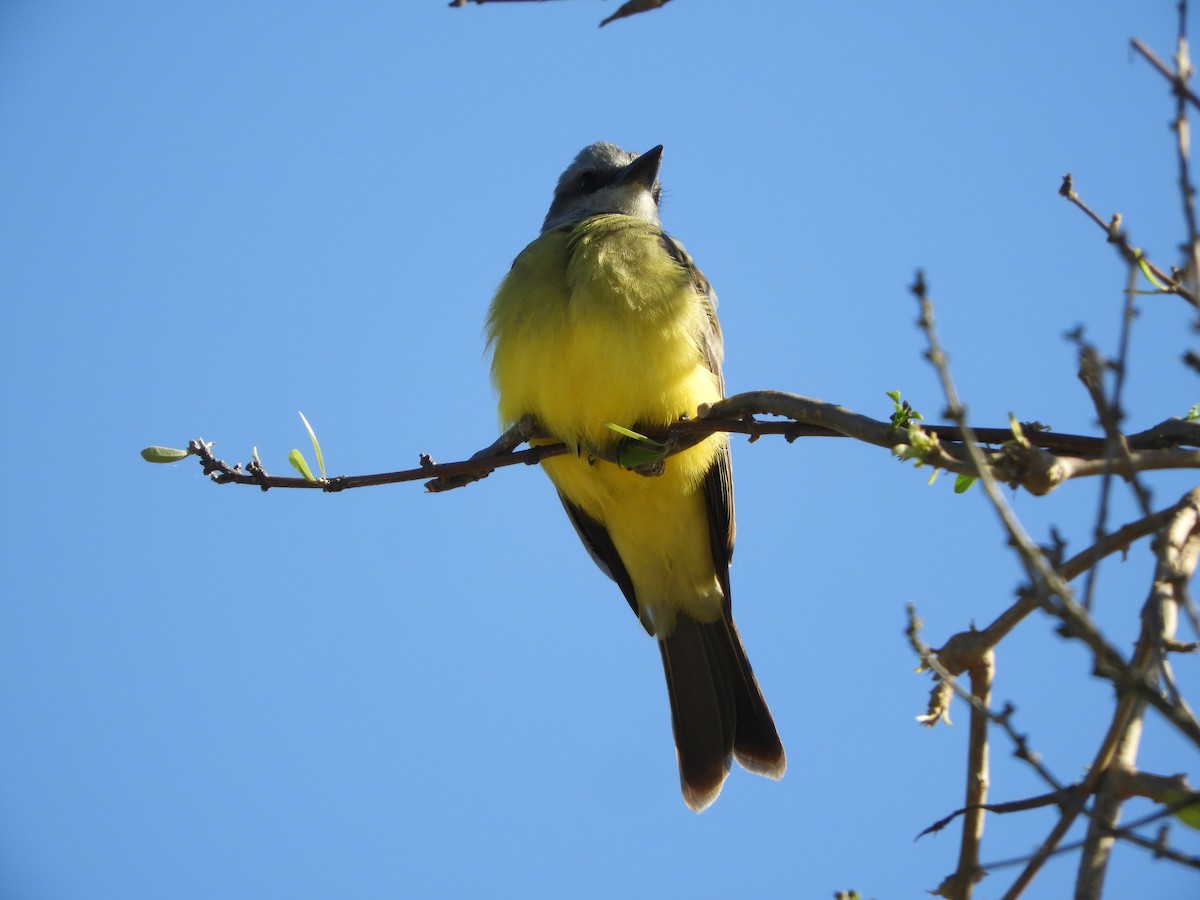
(605, 319)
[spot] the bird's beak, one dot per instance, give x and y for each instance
(643, 170)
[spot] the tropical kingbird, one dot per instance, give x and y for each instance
(605, 319)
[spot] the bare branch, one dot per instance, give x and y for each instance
(1025, 463)
(629, 8)
(1118, 541)
(1166, 73)
(1158, 847)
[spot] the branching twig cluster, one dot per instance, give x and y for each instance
(973, 652)
(1142, 679)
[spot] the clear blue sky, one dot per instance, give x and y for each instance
(213, 215)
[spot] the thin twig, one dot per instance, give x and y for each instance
(1126, 833)
(1166, 73)
(1117, 237)
(1109, 411)
(947, 663)
(1082, 562)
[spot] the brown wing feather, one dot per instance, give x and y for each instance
(600, 548)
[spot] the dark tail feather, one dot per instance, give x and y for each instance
(717, 709)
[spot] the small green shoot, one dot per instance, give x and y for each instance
(316, 446)
(1145, 267)
(296, 458)
(164, 454)
(1018, 432)
(920, 444)
(902, 412)
(628, 432)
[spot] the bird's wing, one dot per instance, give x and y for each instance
(718, 500)
(718, 482)
(600, 547)
(712, 344)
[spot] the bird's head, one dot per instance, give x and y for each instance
(603, 178)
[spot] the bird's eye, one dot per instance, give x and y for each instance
(587, 181)
(656, 193)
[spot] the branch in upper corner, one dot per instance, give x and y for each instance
(629, 8)
(633, 7)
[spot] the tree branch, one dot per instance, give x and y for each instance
(1027, 463)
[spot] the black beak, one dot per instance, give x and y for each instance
(643, 170)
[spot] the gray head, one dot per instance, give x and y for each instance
(604, 178)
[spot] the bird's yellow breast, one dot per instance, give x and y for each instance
(598, 323)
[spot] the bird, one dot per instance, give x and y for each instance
(605, 320)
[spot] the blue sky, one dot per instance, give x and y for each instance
(216, 214)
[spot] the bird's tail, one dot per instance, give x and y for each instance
(717, 710)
